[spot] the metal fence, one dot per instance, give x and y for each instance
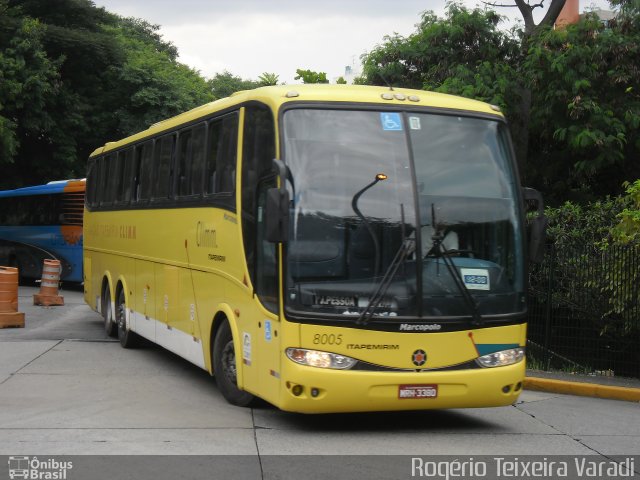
(585, 311)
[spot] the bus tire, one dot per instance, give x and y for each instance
(128, 339)
(110, 326)
(225, 368)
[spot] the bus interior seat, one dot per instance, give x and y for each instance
(450, 241)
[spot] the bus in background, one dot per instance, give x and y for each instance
(40, 222)
(326, 248)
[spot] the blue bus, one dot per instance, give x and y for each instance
(40, 222)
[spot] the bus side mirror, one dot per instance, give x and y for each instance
(537, 224)
(277, 208)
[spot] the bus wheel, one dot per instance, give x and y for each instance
(128, 339)
(110, 326)
(225, 370)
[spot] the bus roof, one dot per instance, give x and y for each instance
(276, 96)
(57, 186)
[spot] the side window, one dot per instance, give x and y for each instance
(7, 211)
(257, 177)
(226, 158)
(90, 196)
(99, 181)
(144, 164)
(127, 175)
(112, 178)
(197, 160)
(221, 156)
(183, 162)
(163, 154)
(117, 178)
(105, 174)
(213, 139)
(16, 211)
(42, 210)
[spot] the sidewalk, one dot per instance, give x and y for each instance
(614, 388)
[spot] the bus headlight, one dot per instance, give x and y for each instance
(315, 358)
(502, 358)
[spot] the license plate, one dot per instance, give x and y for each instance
(417, 391)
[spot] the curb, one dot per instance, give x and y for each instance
(582, 389)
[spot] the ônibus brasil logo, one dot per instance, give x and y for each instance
(35, 469)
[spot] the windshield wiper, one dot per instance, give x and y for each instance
(442, 252)
(407, 246)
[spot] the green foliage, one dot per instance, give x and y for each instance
(152, 84)
(309, 76)
(452, 49)
(571, 95)
(72, 39)
(627, 231)
(586, 106)
(341, 81)
(224, 84)
(268, 79)
(573, 225)
(623, 280)
(29, 83)
(600, 238)
(141, 31)
(72, 77)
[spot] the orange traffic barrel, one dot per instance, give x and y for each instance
(9, 315)
(48, 295)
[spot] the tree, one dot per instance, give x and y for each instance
(29, 83)
(628, 229)
(267, 79)
(309, 76)
(585, 114)
(441, 49)
(72, 77)
(152, 84)
(464, 53)
(571, 96)
(224, 84)
(526, 10)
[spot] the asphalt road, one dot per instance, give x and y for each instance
(66, 389)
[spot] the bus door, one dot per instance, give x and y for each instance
(270, 351)
(257, 177)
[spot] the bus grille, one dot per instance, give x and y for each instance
(73, 208)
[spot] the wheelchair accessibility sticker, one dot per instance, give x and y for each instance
(391, 121)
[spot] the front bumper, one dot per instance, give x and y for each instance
(360, 391)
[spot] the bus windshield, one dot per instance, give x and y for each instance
(382, 201)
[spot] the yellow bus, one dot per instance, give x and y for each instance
(325, 248)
